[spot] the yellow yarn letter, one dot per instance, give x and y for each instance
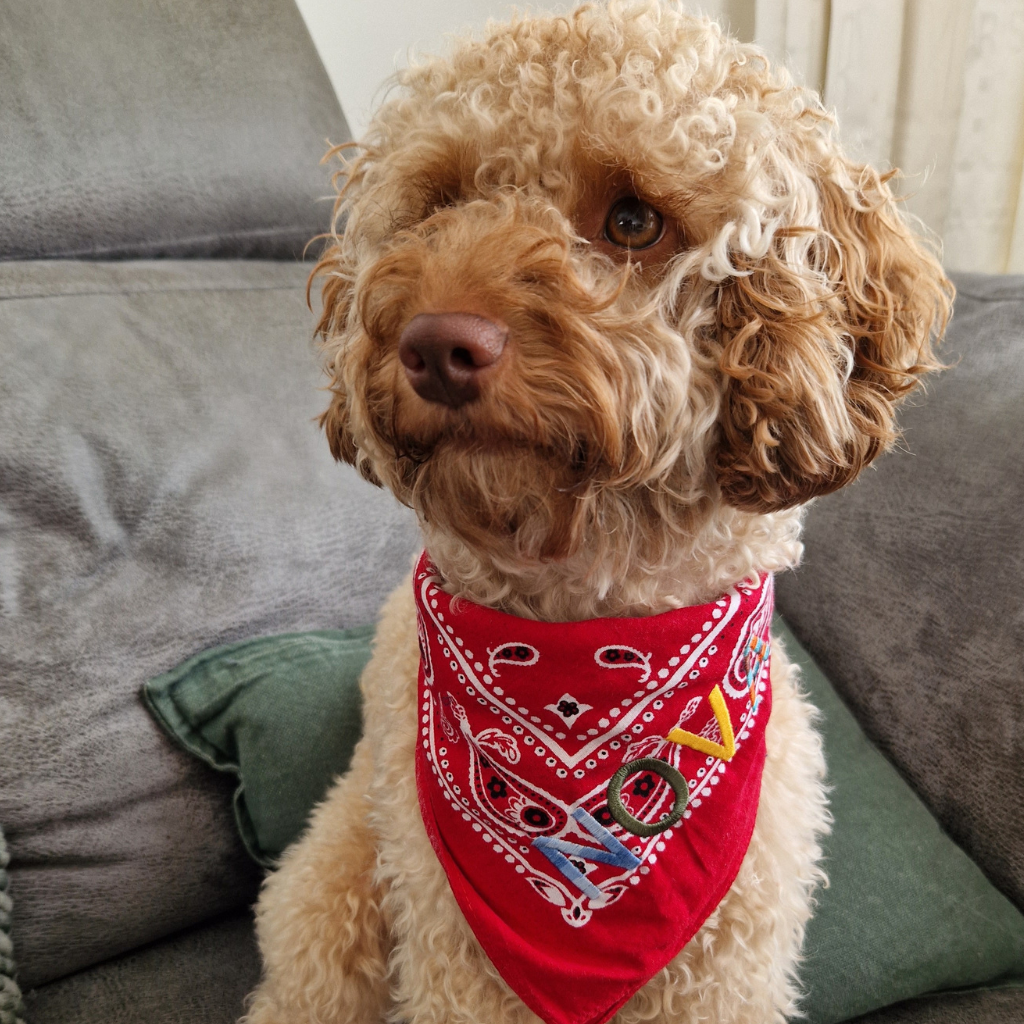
(726, 748)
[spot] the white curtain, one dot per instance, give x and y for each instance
(934, 87)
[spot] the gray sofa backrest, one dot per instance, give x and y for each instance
(142, 128)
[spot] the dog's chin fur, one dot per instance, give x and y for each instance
(650, 436)
(627, 570)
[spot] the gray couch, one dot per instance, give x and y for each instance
(163, 489)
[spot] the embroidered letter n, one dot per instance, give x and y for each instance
(611, 852)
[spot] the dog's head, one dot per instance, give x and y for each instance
(599, 276)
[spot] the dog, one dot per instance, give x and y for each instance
(607, 305)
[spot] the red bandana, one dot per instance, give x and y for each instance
(590, 788)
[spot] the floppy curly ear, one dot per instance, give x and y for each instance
(336, 296)
(334, 422)
(821, 339)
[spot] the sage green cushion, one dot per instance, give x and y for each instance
(906, 912)
(282, 713)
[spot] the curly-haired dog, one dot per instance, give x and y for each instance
(609, 307)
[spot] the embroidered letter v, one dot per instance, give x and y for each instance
(726, 748)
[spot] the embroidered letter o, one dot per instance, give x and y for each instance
(635, 825)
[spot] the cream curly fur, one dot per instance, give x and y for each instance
(650, 438)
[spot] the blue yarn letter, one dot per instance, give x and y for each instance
(613, 853)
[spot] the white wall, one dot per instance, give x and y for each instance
(362, 42)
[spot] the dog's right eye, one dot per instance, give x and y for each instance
(633, 224)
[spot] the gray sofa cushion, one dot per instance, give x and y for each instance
(910, 593)
(995, 1006)
(201, 976)
(144, 128)
(163, 489)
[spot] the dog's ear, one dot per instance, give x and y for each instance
(334, 422)
(336, 297)
(821, 339)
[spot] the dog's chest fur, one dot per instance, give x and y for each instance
(735, 966)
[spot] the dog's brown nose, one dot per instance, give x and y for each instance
(444, 355)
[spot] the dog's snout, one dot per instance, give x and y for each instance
(445, 355)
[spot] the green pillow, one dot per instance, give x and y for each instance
(283, 713)
(906, 912)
